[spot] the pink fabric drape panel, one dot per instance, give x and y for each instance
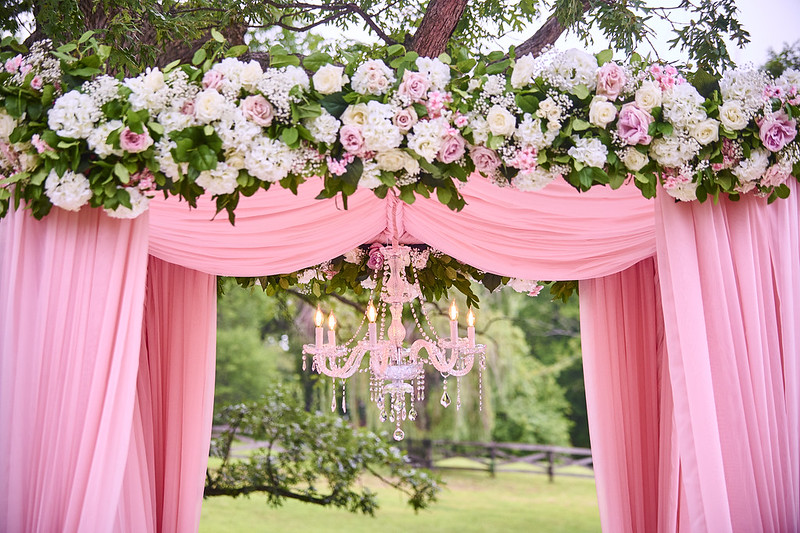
(722, 280)
(175, 399)
(556, 233)
(71, 300)
(622, 344)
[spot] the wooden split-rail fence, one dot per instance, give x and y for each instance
(493, 457)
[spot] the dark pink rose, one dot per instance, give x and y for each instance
(452, 149)
(776, 130)
(414, 86)
(486, 160)
(405, 119)
(633, 124)
(351, 138)
(610, 80)
(188, 107)
(212, 79)
(258, 109)
(133, 142)
(375, 261)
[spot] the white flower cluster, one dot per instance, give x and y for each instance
(530, 135)
(427, 136)
(437, 72)
(139, 204)
(572, 68)
(277, 83)
(70, 191)
(40, 61)
(324, 128)
(379, 132)
(750, 170)
(74, 115)
(269, 159)
(788, 80)
(590, 152)
(535, 179)
(97, 139)
(683, 107)
(743, 88)
(103, 89)
(372, 77)
(221, 180)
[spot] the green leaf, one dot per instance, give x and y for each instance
(604, 57)
(396, 49)
(580, 125)
(217, 36)
(290, 136)
(499, 67)
(236, 51)
(199, 56)
(317, 60)
(581, 91)
(444, 194)
(527, 102)
(122, 172)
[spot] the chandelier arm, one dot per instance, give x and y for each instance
(468, 361)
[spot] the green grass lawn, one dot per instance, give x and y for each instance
(471, 502)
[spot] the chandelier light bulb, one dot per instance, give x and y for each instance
(470, 318)
(319, 317)
(372, 313)
(331, 321)
(453, 311)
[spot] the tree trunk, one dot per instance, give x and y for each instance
(548, 34)
(437, 27)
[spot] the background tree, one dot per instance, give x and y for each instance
(154, 32)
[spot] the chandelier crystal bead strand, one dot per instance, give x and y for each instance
(397, 371)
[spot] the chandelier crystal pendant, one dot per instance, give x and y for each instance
(397, 371)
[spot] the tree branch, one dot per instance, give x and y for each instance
(437, 26)
(546, 35)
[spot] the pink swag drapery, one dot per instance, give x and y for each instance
(676, 374)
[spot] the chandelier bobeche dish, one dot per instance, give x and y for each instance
(397, 371)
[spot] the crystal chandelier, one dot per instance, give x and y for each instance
(397, 372)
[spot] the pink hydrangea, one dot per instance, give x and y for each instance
(525, 160)
(39, 143)
(36, 83)
(144, 180)
(12, 65)
(436, 102)
(775, 176)
(666, 76)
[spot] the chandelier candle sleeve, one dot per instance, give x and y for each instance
(453, 322)
(318, 319)
(332, 330)
(471, 328)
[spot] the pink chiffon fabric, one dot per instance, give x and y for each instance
(71, 301)
(556, 233)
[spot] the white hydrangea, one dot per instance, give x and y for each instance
(571, 68)
(683, 106)
(524, 285)
(426, 137)
(74, 115)
(324, 128)
(139, 204)
(524, 70)
(590, 152)
(684, 191)
(103, 89)
(495, 85)
(674, 150)
(149, 90)
(530, 135)
(354, 256)
(370, 177)
(174, 120)
(296, 77)
(533, 180)
(166, 162)
(70, 191)
(372, 77)
(268, 159)
(790, 78)
(97, 140)
(305, 277)
(753, 168)
(236, 132)
(380, 134)
(438, 73)
(221, 180)
(480, 129)
(276, 85)
(745, 85)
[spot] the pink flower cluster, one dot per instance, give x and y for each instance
(40, 145)
(673, 179)
(144, 180)
(339, 166)
(731, 155)
(525, 160)
(667, 76)
(436, 102)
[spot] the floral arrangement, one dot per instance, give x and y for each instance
(71, 135)
(360, 270)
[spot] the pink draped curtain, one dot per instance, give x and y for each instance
(691, 424)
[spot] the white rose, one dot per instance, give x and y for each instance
(634, 159)
(601, 112)
(7, 125)
(329, 79)
(706, 131)
(235, 159)
(648, 96)
(391, 160)
(250, 75)
(411, 165)
(355, 115)
(209, 106)
(732, 115)
(154, 80)
(500, 121)
(523, 71)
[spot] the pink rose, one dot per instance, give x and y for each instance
(257, 109)
(405, 119)
(486, 160)
(633, 125)
(351, 138)
(212, 79)
(12, 65)
(775, 176)
(610, 80)
(452, 149)
(133, 142)
(36, 83)
(375, 261)
(414, 86)
(188, 107)
(776, 130)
